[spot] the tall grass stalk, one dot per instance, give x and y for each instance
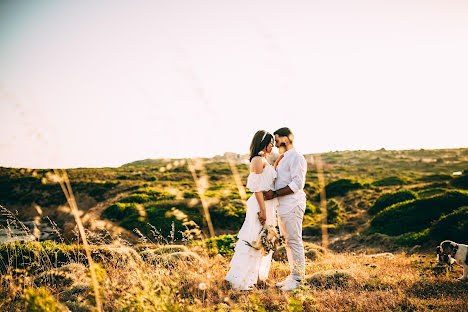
(323, 198)
(67, 190)
(201, 194)
(237, 179)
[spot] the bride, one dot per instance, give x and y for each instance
(249, 265)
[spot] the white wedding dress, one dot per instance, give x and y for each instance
(248, 265)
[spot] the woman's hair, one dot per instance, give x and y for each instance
(260, 140)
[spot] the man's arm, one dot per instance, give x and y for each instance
(298, 168)
(267, 195)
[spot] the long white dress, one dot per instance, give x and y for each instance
(248, 265)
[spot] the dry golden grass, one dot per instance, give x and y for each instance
(336, 282)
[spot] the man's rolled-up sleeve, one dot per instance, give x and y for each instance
(298, 168)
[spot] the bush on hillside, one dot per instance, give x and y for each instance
(453, 226)
(223, 244)
(119, 211)
(163, 222)
(461, 182)
(390, 181)
(334, 212)
(342, 187)
(431, 192)
(417, 215)
(228, 215)
(388, 199)
(435, 178)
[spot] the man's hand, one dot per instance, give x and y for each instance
(267, 195)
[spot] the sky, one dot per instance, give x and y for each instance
(104, 83)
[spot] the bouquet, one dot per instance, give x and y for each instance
(268, 240)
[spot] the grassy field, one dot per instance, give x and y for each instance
(377, 202)
(149, 277)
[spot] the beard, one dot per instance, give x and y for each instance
(282, 148)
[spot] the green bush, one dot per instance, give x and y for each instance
(435, 178)
(41, 256)
(40, 300)
(388, 199)
(311, 209)
(228, 215)
(146, 195)
(119, 211)
(34, 255)
(417, 215)
(413, 238)
(334, 212)
(223, 244)
(453, 226)
(390, 181)
(342, 187)
(431, 192)
(190, 195)
(461, 182)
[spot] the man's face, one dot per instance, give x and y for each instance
(277, 141)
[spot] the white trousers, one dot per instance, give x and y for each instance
(290, 225)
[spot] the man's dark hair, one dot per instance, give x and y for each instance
(285, 132)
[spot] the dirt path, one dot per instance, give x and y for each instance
(93, 221)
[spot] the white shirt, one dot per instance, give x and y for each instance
(291, 171)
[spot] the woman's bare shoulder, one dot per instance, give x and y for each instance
(257, 164)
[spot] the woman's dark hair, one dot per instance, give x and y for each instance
(260, 140)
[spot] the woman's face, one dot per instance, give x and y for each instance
(269, 147)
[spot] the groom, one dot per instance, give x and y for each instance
(291, 170)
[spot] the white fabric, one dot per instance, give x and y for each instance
(291, 171)
(248, 265)
(290, 225)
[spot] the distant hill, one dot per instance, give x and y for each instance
(155, 194)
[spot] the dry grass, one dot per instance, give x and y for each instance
(177, 282)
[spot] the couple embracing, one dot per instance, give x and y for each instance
(277, 191)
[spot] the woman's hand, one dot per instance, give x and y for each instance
(278, 160)
(262, 216)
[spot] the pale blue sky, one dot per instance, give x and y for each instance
(102, 83)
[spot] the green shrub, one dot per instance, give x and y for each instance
(119, 211)
(34, 255)
(342, 187)
(228, 215)
(390, 181)
(334, 212)
(461, 182)
(413, 238)
(190, 194)
(435, 178)
(453, 226)
(311, 209)
(40, 300)
(157, 224)
(146, 195)
(223, 244)
(40, 256)
(417, 215)
(388, 199)
(431, 192)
